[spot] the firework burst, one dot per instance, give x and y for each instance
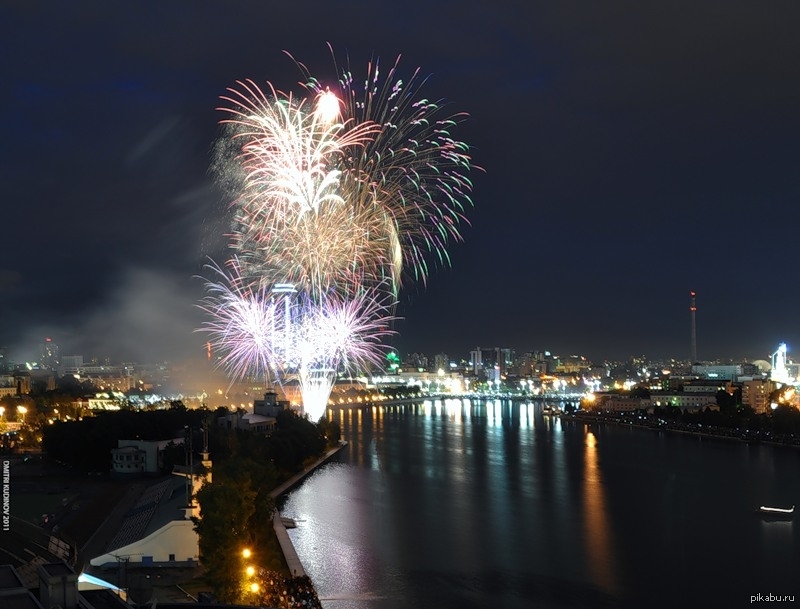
(339, 195)
(412, 172)
(243, 323)
(282, 335)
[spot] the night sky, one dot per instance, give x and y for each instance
(632, 152)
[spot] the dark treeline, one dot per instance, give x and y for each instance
(293, 442)
(87, 443)
(783, 420)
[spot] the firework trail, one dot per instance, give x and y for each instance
(413, 173)
(339, 196)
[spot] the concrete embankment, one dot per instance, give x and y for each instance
(289, 553)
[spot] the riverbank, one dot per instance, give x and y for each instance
(654, 423)
(296, 568)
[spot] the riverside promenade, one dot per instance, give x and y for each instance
(289, 553)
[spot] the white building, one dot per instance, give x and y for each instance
(158, 529)
(139, 456)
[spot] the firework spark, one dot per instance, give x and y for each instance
(413, 170)
(282, 335)
(339, 195)
(243, 324)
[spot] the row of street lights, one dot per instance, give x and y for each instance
(250, 571)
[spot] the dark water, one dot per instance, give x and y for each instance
(489, 504)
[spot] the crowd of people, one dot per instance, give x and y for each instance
(285, 592)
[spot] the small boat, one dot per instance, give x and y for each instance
(289, 523)
(776, 512)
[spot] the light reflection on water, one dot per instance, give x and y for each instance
(477, 504)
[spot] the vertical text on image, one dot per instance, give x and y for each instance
(6, 495)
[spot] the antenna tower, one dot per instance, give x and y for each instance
(693, 311)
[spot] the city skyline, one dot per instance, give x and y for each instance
(629, 156)
(48, 355)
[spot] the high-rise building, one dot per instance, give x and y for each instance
(48, 356)
(71, 364)
(441, 362)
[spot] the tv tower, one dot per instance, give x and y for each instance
(693, 311)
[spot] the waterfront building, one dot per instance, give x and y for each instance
(755, 394)
(693, 400)
(262, 420)
(611, 402)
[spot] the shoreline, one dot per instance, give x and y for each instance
(587, 417)
(296, 568)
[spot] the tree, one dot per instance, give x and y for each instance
(726, 402)
(226, 507)
(640, 392)
(236, 513)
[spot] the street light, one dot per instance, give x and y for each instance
(22, 410)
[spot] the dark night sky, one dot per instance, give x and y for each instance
(632, 152)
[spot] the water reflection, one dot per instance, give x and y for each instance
(453, 504)
(600, 556)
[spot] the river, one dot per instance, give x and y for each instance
(462, 504)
